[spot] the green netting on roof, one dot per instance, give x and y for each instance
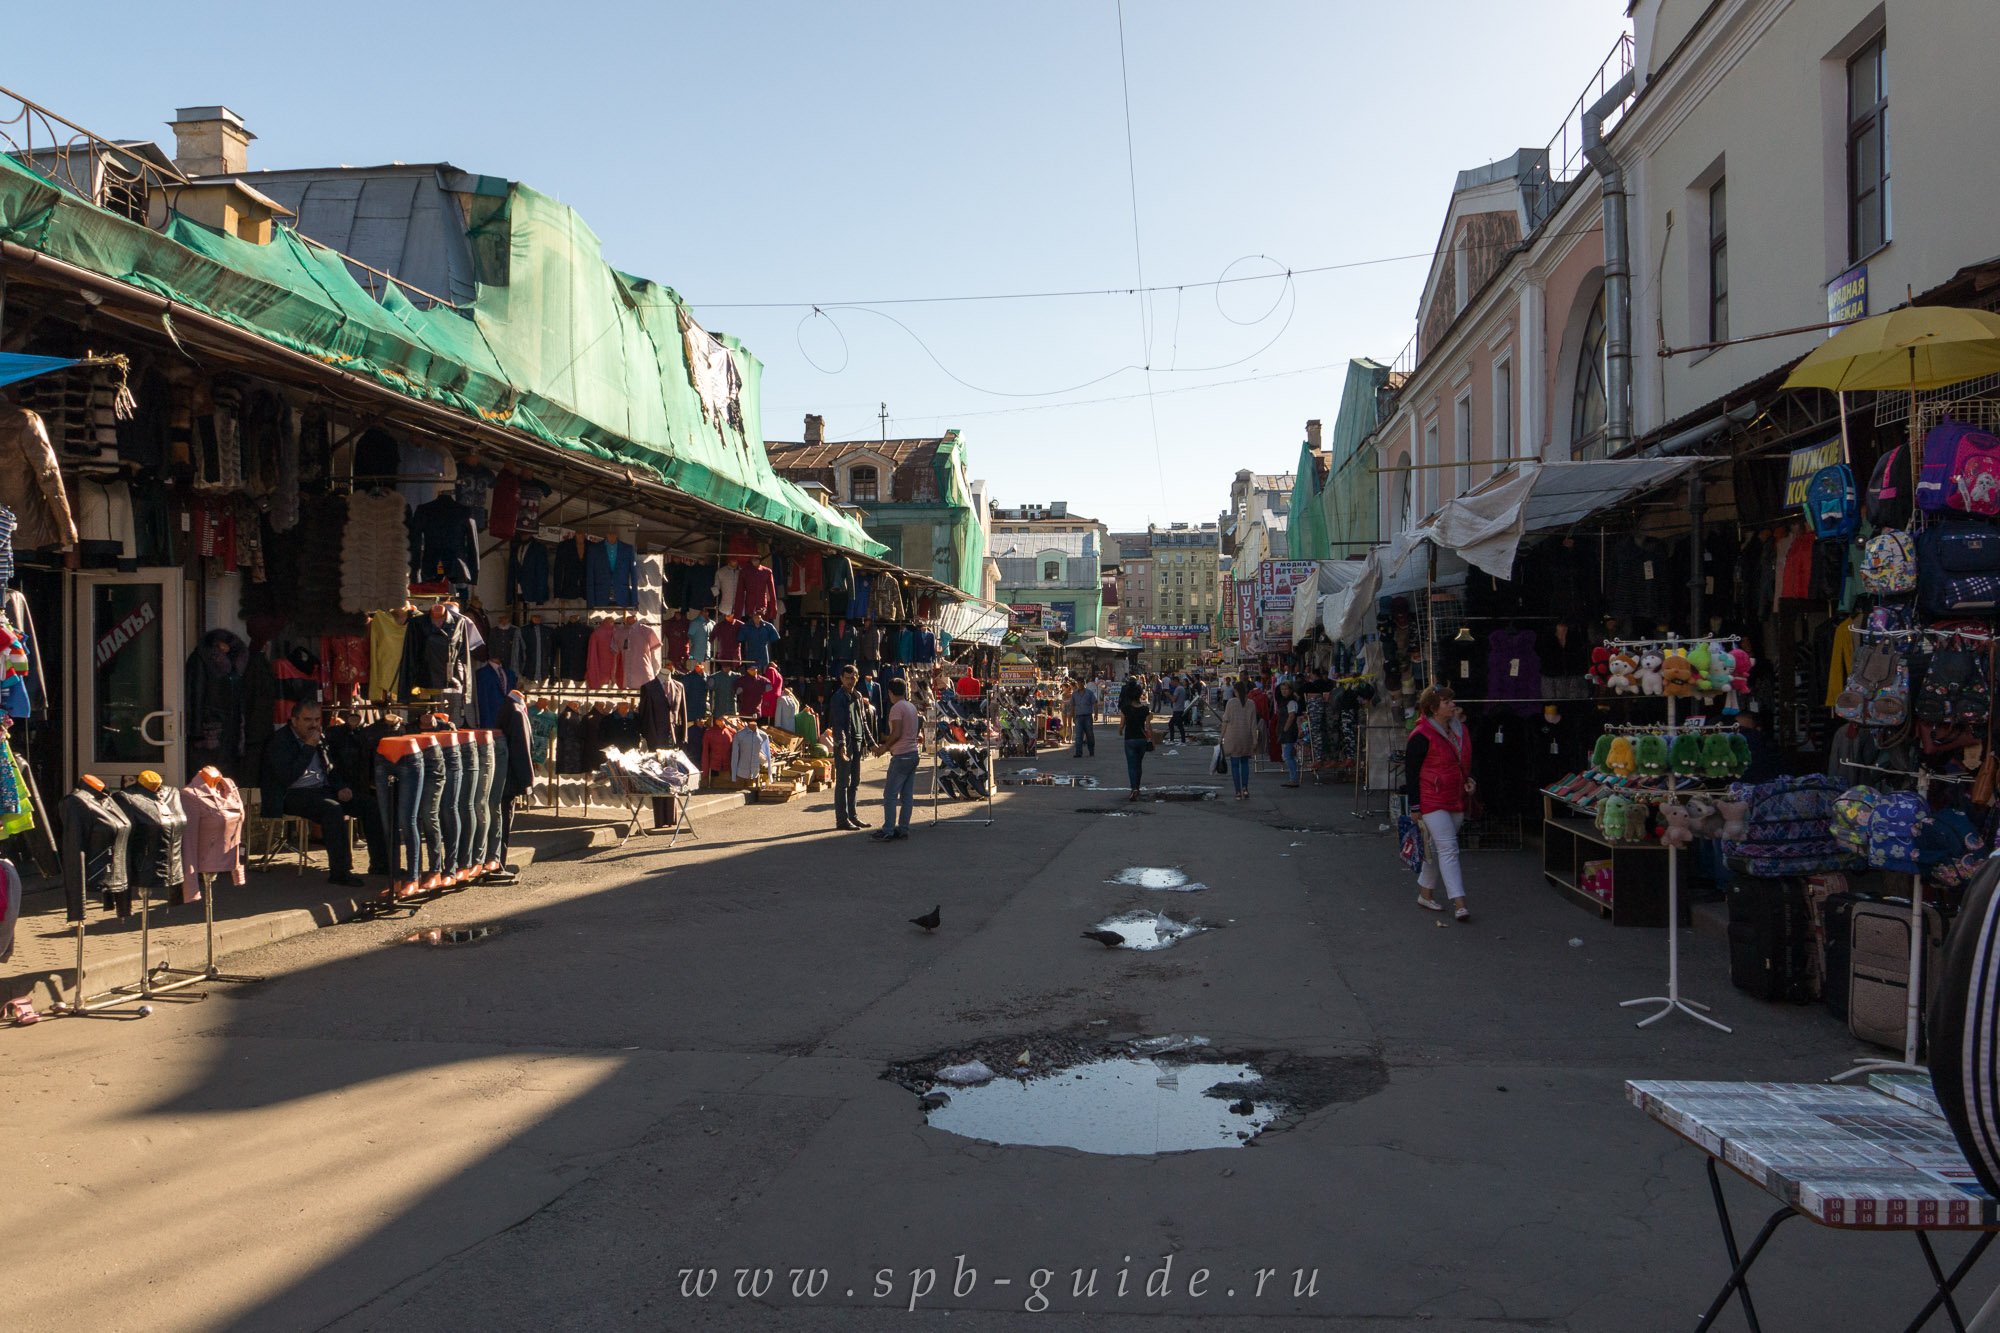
(968, 536)
(557, 344)
(1307, 529)
(1352, 513)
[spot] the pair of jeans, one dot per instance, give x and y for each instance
(502, 828)
(1290, 750)
(846, 788)
(1239, 772)
(1086, 737)
(899, 792)
(399, 793)
(1441, 852)
(481, 750)
(1135, 759)
(451, 814)
(1177, 722)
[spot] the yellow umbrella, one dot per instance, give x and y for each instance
(1917, 347)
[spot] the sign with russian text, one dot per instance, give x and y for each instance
(1018, 674)
(1246, 614)
(1804, 463)
(1276, 581)
(1026, 615)
(1172, 631)
(1847, 297)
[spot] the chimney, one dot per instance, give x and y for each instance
(815, 429)
(210, 141)
(1312, 436)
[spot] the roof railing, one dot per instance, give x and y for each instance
(1562, 157)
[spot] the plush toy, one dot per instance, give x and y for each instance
(1636, 822)
(1680, 831)
(1739, 679)
(1699, 655)
(1650, 752)
(1720, 667)
(1650, 679)
(1677, 674)
(1600, 666)
(1702, 817)
(1735, 819)
(1624, 674)
(1600, 754)
(1620, 759)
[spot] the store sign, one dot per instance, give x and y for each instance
(1172, 631)
(1061, 615)
(1276, 582)
(1805, 462)
(1246, 614)
(1847, 297)
(1020, 674)
(126, 630)
(1026, 615)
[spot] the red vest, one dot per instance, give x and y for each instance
(1441, 783)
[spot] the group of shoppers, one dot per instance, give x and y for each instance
(852, 732)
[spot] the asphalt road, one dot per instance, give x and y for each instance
(670, 1064)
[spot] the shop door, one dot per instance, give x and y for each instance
(130, 654)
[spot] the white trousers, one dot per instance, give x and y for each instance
(1441, 852)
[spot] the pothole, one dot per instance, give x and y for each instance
(1324, 830)
(1171, 879)
(439, 937)
(1144, 931)
(1182, 793)
(1155, 1095)
(1035, 778)
(1110, 813)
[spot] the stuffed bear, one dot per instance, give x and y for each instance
(1624, 674)
(1677, 674)
(1680, 829)
(1735, 819)
(1739, 679)
(1720, 667)
(1703, 818)
(1650, 679)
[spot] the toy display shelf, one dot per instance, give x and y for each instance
(1638, 869)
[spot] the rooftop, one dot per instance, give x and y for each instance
(788, 455)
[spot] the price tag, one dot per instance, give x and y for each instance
(1708, 585)
(1649, 571)
(1465, 670)
(1513, 666)
(1555, 747)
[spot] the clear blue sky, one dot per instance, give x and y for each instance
(828, 152)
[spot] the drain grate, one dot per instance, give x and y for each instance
(440, 937)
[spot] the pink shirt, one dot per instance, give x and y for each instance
(906, 712)
(213, 843)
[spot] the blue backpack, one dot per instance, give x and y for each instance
(1900, 821)
(1832, 506)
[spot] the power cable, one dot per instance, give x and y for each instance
(1139, 259)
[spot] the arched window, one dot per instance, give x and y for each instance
(862, 486)
(1587, 406)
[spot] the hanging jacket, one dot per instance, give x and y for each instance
(444, 542)
(600, 669)
(518, 776)
(567, 576)
(374, 553)
(31, 483)
(757, 593)
(528, 572)
(95, 835)
(611, 575)
(437, 654)
(662, 713)
(154, 856)
(887, 602)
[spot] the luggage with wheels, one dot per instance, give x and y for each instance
(1770, 938)
(1878, 971)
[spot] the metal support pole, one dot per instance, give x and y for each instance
(1697, 581)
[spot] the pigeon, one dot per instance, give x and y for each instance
(1110, 939)
(929, 920)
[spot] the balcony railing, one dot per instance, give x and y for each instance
(1562, 157)
(88, 165)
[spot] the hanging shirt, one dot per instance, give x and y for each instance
(725, 588)
(754, 641)
(600, 669)
(638, 655)
(698, 629)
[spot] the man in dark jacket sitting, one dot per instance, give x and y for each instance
(300, 779)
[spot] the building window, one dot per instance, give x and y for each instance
(1868, 214)
(863, 486)
(1431, 458)
(1461, 443)
(1051, 571)
(1718, 261)
(1503, 411)
(1587, 405)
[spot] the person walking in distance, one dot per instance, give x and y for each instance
(1438, 761)
(1136, 717)
(850, 726)
(1083, 717)
(1240, 728)
(899, 788)
(1177, 706)
(1290, 714)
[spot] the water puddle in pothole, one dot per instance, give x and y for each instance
(1182, 793)
(1169, 879)
(1032, 778)
(439, 937)
(1110, 813)
(1122, 1105)
(1144, 931)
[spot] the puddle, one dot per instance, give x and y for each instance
(1032, 778)
(1169, 879)
(438, 937)
(1182, 793)
(1120, 1106)
(1147, 931)
(1110, 813)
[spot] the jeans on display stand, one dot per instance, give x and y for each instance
(430, 814)
(399, 789)
(482, 802)
(503, 808)
(478, 777)
(451, 825)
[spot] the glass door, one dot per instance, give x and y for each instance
(130, 657)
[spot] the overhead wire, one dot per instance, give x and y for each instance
(1139, 258)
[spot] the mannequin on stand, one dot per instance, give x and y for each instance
(96, 833)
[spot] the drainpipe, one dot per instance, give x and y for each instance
(1617, 270)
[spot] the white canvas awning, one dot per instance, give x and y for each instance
(1485, 527)
(978, 622)
(1334, 580)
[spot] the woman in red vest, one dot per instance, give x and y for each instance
(1437, 764)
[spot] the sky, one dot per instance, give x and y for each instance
(764, 158)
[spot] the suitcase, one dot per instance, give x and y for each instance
(1770, 938)
(1878, 966)
(1839, 946)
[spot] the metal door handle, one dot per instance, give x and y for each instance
(166, 728)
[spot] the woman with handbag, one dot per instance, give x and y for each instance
(1291, 713)
(1239, 737)
(1437, 763)
(1137, 717)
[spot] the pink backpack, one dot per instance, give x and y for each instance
(1961, 472)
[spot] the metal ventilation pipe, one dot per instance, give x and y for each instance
(1617, 269)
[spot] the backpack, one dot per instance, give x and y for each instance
(1832, 507)
(1889, 564)
(1853, 814)
(1889, 491)
(1958, 570)
(1954, 688)
(1961, 471)
(1899, 819)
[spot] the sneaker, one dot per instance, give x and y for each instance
(882, 835)
(1463, 913)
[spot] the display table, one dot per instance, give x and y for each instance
(1879, 1158)
(1638, 869)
